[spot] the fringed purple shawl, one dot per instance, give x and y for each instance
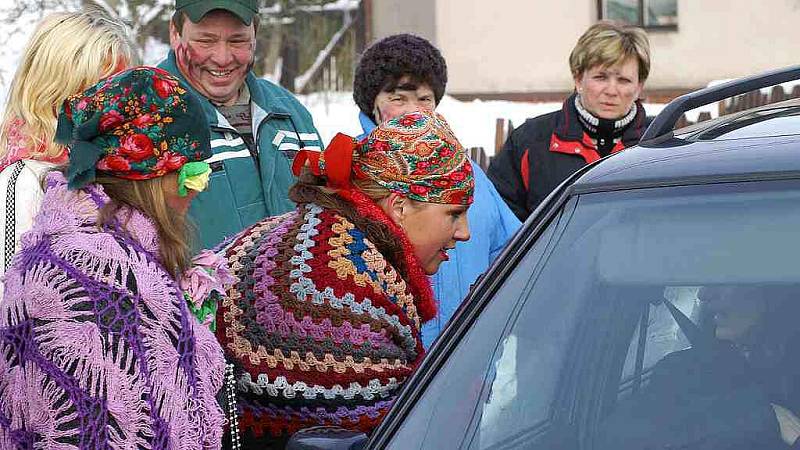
(97, 347)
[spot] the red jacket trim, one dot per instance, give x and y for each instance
(525, 170)
(584, 148)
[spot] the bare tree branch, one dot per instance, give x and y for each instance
(147, 15)
(102, 4)
(324, 54)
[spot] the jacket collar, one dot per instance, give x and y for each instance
(568, 126)
(367, 125)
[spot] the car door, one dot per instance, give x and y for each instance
(598, 325)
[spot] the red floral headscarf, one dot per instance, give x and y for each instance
(415, 155)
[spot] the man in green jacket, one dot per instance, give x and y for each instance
(256, 126)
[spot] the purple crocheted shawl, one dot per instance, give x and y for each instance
(97, 347)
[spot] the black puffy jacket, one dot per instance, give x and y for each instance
(544, 151)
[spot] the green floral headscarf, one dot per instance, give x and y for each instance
(139, 124)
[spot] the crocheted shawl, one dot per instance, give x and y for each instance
(322, 329)
(97, 347)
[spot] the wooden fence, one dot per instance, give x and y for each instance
(503, 127)
(478, 155)
(756, 98)
(742, 102)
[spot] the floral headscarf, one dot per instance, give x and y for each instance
(139, 124)
(415, 155)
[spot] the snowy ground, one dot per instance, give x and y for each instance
(473, 122)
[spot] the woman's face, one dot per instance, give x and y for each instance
(609, 92)
(169, 185)
(735, 310)
(405, 98)
(432, 228)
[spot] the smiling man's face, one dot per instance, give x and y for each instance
(215, 54)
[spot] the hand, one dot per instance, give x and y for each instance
(789, 424)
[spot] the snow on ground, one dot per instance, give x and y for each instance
(473, 122)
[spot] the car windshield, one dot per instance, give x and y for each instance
(650, 318)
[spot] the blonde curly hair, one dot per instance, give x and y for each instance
(67, 53)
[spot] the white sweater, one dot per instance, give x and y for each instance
(20, 197)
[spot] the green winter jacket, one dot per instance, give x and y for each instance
(240, 192)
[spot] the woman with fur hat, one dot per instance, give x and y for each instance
(403, 73)
(323, 319)
(67, 53)
(98, 348)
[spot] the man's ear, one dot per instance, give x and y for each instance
(394, 206)
(174, 36)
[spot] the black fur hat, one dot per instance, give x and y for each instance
(393, 57)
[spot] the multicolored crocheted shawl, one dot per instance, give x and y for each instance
(322, 328)
(97, 347)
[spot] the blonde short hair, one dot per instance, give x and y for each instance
(608, 43)
(67, 53)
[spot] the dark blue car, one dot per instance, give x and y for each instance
(651, 302)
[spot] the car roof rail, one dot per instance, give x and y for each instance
(663, 125)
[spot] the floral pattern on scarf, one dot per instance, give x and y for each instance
(139, 124)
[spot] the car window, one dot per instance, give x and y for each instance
(651, 318)
(715, 374)
(443, 416)
(657, 334)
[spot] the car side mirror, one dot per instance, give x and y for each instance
(327, 438)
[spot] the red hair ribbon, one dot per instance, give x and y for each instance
(334, 163)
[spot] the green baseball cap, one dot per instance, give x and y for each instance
(196, 9)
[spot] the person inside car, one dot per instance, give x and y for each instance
(609, 65)
(737, 387)
(323, 319)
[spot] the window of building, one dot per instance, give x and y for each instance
(644, 13)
